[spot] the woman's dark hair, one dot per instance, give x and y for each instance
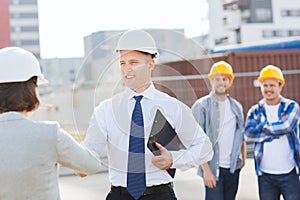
(19, 96)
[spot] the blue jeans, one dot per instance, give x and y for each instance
(227, 186)
(271, 186)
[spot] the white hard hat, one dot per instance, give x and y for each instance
(138, 40)
(19, 65)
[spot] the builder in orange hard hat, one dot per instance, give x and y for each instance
(273, 125)
(222, 119)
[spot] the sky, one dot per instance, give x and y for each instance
(65, 23)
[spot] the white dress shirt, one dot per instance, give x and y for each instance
(110, 126)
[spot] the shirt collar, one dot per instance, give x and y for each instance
(282, 100)
(211, 94)
(148, 93)
(11, 115)
(213, 97)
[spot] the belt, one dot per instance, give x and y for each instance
(149, 190)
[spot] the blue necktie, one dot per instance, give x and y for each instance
(136, 177)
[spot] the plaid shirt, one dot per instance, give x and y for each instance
(259, 130)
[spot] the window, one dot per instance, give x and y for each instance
(295, 13)
(14, 15)
(28, 15)
(16, 43)
(261, 11)
(15, 29)
(290, 13)
(30, 42)
(263, 14)
(14, 2)
(280, 33)
(268, 33)
(30, 29)
(24, 15)
(222, 40)
(295, 32)
(22, 2)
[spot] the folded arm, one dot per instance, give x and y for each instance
(286, 124)
(257, 129)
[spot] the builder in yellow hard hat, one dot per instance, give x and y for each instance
(273, 125)
(222, 119)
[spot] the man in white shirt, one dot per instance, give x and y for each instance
(221, 117)
(114, 122)
(272, 125)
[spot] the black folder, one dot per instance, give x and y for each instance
(163, 133)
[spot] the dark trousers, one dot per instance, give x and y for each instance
(271, 186)
(227, 186)
(170, 195)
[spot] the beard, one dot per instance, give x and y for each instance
(221, 91)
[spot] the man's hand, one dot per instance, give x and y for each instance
(164, 160)
(208, 177)
(284, 117)
(243, 153)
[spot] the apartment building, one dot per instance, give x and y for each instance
(24, 25)
(245, 21)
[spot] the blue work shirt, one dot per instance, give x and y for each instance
(259, 130)
(206, 113)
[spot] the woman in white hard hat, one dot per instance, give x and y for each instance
(30, 150)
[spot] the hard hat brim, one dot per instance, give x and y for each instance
(42, 80)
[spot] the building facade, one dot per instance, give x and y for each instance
(246, 21)
(61, 71)
(24, 25)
